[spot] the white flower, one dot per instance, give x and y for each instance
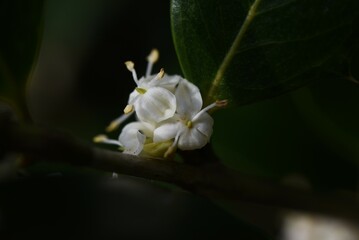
(169, 112)
(153, 98)
(191, 127)
(132, 138)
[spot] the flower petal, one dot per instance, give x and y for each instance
(156, 105)
(169, 82)
(167, 131)
(136, 144)
(189, 99)
(133, 97)
(145, 128)
(191, 139)
(133, 136)
(204, 124)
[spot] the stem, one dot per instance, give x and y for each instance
(232, 51)
(210, 181)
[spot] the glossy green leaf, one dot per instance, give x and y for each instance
(20, 24)
(248, 50)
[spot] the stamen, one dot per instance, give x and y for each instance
(152, 58)
(189, 124)
(128, 109)
(117, 122)
(154, 55)
(222, 103)
(131, 67)
(141, 90)
(160, 74)
(172, 149)
(218, 103)
(100, 138)
(103, 139)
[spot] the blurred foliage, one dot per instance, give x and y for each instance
(307, 134)
(21, 34)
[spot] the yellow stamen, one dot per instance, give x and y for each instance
(141, 90)
(128, 109)
(130, 65)
(170, 151)
(154, 55)
(161, 74)
(112, 126)
(189, 124)
(100, 138)
(221, 103)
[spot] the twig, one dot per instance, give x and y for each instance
(212, 180)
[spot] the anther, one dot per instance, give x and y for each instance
(189, 124)
(153, 57)
(221, 103)
(130, 65)
(128, 109)
(100, 138)
(141, 90)
(160, 74)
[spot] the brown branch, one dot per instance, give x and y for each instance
(211, 180)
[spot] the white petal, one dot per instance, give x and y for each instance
(145, 128)
(156, 105)
(204, 124)
(129, 140)
(133, 95)
(189, 99)
(192, 139)
(135, 146)
(167, 131)
(133, 136)
(169, 82)
(144, 82)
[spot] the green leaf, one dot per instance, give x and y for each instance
(20, 24)
(254, 49)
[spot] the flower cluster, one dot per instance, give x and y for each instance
(169, 115)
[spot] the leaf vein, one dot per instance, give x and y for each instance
(232, 50)
(276, 7)
(273, 42)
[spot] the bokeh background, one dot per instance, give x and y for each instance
(308, 138)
